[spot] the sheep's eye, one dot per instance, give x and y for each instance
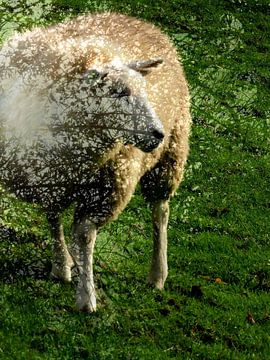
(103, 75)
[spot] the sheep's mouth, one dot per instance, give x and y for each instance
(148, 147)
(148, 143)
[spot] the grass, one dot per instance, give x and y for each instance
(216, 303)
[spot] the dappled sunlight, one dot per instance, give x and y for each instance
(215, 302)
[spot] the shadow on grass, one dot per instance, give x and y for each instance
(22, 257)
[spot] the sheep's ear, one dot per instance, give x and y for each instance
(144, 65)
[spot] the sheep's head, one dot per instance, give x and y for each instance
(112, 103)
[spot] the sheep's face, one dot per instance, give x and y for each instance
(114, 105)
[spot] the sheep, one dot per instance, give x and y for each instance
(89, 108)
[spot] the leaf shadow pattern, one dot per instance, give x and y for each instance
(22, 257)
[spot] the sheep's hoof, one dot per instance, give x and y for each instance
(87, 308)
(156, 282)
(62, 273)
(88, 305)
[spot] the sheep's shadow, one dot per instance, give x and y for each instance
(22, 257)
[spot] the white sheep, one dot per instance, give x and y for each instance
(88, 109)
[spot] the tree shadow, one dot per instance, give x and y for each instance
(22, 257)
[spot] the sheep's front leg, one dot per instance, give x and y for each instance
(62, 261)
(84, 233)
(159, 268)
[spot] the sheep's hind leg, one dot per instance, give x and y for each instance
(62, 261)
(84, 234)
(159, 267)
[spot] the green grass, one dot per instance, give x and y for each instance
(216, 302)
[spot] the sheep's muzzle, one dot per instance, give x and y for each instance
(150, 142)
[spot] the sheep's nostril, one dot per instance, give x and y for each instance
(158, 134)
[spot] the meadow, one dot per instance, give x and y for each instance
(216, 301)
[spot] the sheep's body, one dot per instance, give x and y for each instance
(55, 170)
